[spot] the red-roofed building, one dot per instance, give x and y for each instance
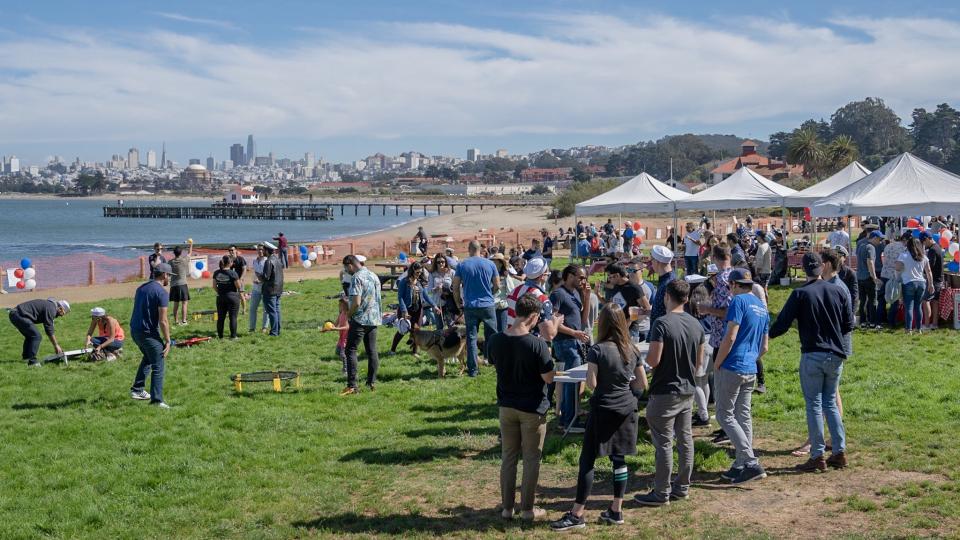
(557, 174)
(770, 168)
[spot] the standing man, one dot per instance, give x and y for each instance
(547, 244)
(365, 317)
(42, 312)
(676, 353)
(256, 292)
(421, 239)
(572, 300)
(535, 274)
(868, 280)
(239, 265)
(627, 236)
(151, 333)
(662, 259)
(691, 248)
(179, 289)
(156, 257)
(840, 237)
(626, 294)
(474, 285)
(735, 374)
(824, 315)
(763, 260)
(271, 287)
(849, 278)
(282, 246)
(935, 257)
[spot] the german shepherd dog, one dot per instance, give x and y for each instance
(443, 344)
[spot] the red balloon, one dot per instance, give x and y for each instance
(944, 242)
(956, 256)
(912, 223)
(636, 226)
(18, 272)
(205, 274)
(21, 284)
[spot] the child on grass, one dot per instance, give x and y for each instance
(342, 326)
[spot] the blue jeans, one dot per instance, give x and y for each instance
(435, 318)
(117, 343)
(819, 380)
(501, 320)
(693, 261)
(568, 352)
(255, 297)
(271, 309)
(152, 363)
(473, 318)
(912, 300)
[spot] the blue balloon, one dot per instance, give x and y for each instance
(953, 267)
(402, 257)
(303, 249)
(936, 238)
(24, 263)
(916, 233)
(304, 257)
(199, 265)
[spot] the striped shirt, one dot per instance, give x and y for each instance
(529, 287)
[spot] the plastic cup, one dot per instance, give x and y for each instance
(634, 313)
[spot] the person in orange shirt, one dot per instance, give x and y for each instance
(110, 336)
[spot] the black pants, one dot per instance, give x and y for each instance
(31, 336)
(227, 304)
(588, 458)
(761, 380)
(367, 334)
(868, 301)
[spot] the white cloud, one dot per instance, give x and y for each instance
(586, 74)
(195, 20)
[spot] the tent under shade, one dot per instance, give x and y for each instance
(743, 189)
(841, 179)
(904, 186)
(641, 194)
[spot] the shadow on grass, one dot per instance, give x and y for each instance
(422, 454)
(422, 374)
(65, 404)
(451, 431)
(456, 520)
(460, 412)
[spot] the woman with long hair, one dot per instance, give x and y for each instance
(440, 292)
(614, 371)
(916, 277)
(227, 284)
(507, 284)
(412, 301)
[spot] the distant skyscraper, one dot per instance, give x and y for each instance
(152, 159)
(473, 154)
(236, 154)
(272, 161)
(309, 159)
(194, 162)
(133, 158)
(226, 165)
(12, 165)
(251, 150)
(211, 164)
(163, 158)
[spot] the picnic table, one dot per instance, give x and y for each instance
(396, 270)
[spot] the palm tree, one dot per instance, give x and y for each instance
(805, 149)
(841, 152)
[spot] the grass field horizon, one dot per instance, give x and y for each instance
(419, 457)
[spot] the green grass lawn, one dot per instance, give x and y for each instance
(420, 456)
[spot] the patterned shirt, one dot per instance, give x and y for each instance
(720, 299)
(529, 287)
(891, 253)
(366, 285)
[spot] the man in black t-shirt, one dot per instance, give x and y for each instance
(156, 257)
(625, 294)
(676, 352)
(935, 257)
(572, 300)
(524, 368)
(238, 265)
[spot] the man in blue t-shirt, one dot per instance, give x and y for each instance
(479, 280)
(744, 342)
(151, 333)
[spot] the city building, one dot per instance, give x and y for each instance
(193, 162)
(152, 159)
(211, 164)
(502, 153)
(251, 151)
(487, 189)
(226, 165)
(557, 174)
(309, 160)
(163, 157)
(473, 154)
(12, 165)
(243, 195)
(236, 154)
(770, 168)
(133, 158)
(196, 176)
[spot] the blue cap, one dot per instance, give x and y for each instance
(924, 235)
(742, 276)
(876, 234)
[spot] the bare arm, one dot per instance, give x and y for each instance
(164, 330)
(93, 325)
(111, 331)
(701, 356)
(548, 377)
(591, 376)
(639, 379)
(653, 354)
(495, 283)
(455, 285)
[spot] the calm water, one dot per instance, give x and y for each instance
(58, 227)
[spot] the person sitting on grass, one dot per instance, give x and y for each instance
(676, 354)
(615, 375)
(109, 340)
(524, 369)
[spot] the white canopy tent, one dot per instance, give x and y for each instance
(744, 189)
(642, 193)
(905, 186)
(841, 179)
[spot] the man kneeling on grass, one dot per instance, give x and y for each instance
(676, 353)
(524, 369)
(744, 343)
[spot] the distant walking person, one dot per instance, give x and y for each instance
(151, 333)
(824, 316)
(365, 318)
(474, 284)
(676, 354)
(179, 290)
(256, 293)
(227, 284)
(42, 312)
(691, 248)
(271, 287)
(282, 246)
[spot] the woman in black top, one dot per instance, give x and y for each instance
(227, 284)
(615, 373)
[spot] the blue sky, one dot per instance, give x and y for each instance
(347, 79)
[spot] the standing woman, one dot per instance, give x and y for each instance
(440, 291)
(227, 284)
(412, 302)
(916, 277)
(508, 284)
(614, 372)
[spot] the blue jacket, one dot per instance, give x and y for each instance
(405, 295)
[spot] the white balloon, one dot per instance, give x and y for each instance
(947, 234)
(312, 256)
(29, 273)
(31, 283)
(195, 274)
(307, 264)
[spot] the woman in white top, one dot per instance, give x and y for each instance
(439, 290)
(916, 277)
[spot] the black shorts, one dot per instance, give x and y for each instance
(935, 295)
(179, 293)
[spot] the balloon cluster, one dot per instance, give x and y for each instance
(954, 250)
(26, 274)
(198, 272)
(307, 257)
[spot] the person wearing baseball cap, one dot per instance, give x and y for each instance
(868, 279)
(849, 277)
(151, 333)
(735, 373)
(823, 315)
(535, 274)
(271, 284)
(662, 259)
(27, 315)
(109, 337)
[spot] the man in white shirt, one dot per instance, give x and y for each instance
(839, 237)
(691, 248)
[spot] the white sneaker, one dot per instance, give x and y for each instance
(141, 395)
(160, 405)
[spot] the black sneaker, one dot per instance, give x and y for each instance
(720, 437)
(33, 363)
(651, 499)
(568, 522)
(700, 422)
(760, 389)
(731, 474)
(610, 517)
(749, 474)
(678, 495)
